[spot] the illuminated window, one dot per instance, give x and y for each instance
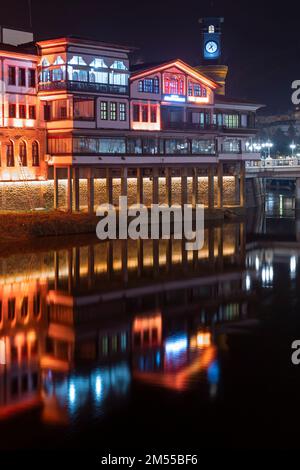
(144, 113)
(98, 64)
(103, 111)
(22, 111)
(31, 78)
(58, 61)
(11, 75)
(10, 154)
(231, 120)
(177, 146)
(57, 75)
(136, 113)
(152, 146)
(84, 108)
(22, 77)
(77, 60)
(232, 146)
(134, 145)
(202, 146)
(45, 63)
(174, 84)
(211, 29)
(118, 78)
(35, 154)
(12, 110)
(23, 153)
(149, 85)
(118, 65)
(113, 111)
(122, 111)
(32, 112)
(153, 113)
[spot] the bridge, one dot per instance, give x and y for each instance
(283, 168)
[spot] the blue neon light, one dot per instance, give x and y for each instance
(176, 344)
(180, 99)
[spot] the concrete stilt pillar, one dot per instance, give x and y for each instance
(91, 191)
(195, 188)
(124, 177)
(211, 189)
(183, 186)
(155, 186)
(76, 189)
(140, 186)
(242, 184)
(69, 190)
(109, 187)
(220, 185)
(56, 196)
(168, 173)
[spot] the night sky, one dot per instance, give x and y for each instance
(261, 40)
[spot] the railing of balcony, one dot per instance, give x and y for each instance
(84, 86)
(180, 125)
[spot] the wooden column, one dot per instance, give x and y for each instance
(183, 186)
(195, 188)
(56, 269)
(69, 189)
(211, 246)
(124, 176)
(140, 255)
(155, 186)
(109, 187)
(168, 173)
(211, 189)
(56, 196)
(242, 184)
(76, 189)
(91, 191)
(220, 185)
(237, 184)
(140, 186)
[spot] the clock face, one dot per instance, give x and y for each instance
(211, 47)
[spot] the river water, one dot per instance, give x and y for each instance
(144, 345)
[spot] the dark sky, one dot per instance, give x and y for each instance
(261, 40)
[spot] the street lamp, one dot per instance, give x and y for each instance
(292, 147)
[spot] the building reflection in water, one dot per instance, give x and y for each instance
(79, 325)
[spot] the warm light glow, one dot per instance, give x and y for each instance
(181, 66)
(198, 99)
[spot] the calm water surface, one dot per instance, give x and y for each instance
(144, 345)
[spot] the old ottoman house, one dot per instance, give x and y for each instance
(81, 126)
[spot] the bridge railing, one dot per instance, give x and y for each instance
(273, 162)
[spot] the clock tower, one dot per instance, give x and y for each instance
(212, 51)
(211, 37)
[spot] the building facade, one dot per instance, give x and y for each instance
(81, 125)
